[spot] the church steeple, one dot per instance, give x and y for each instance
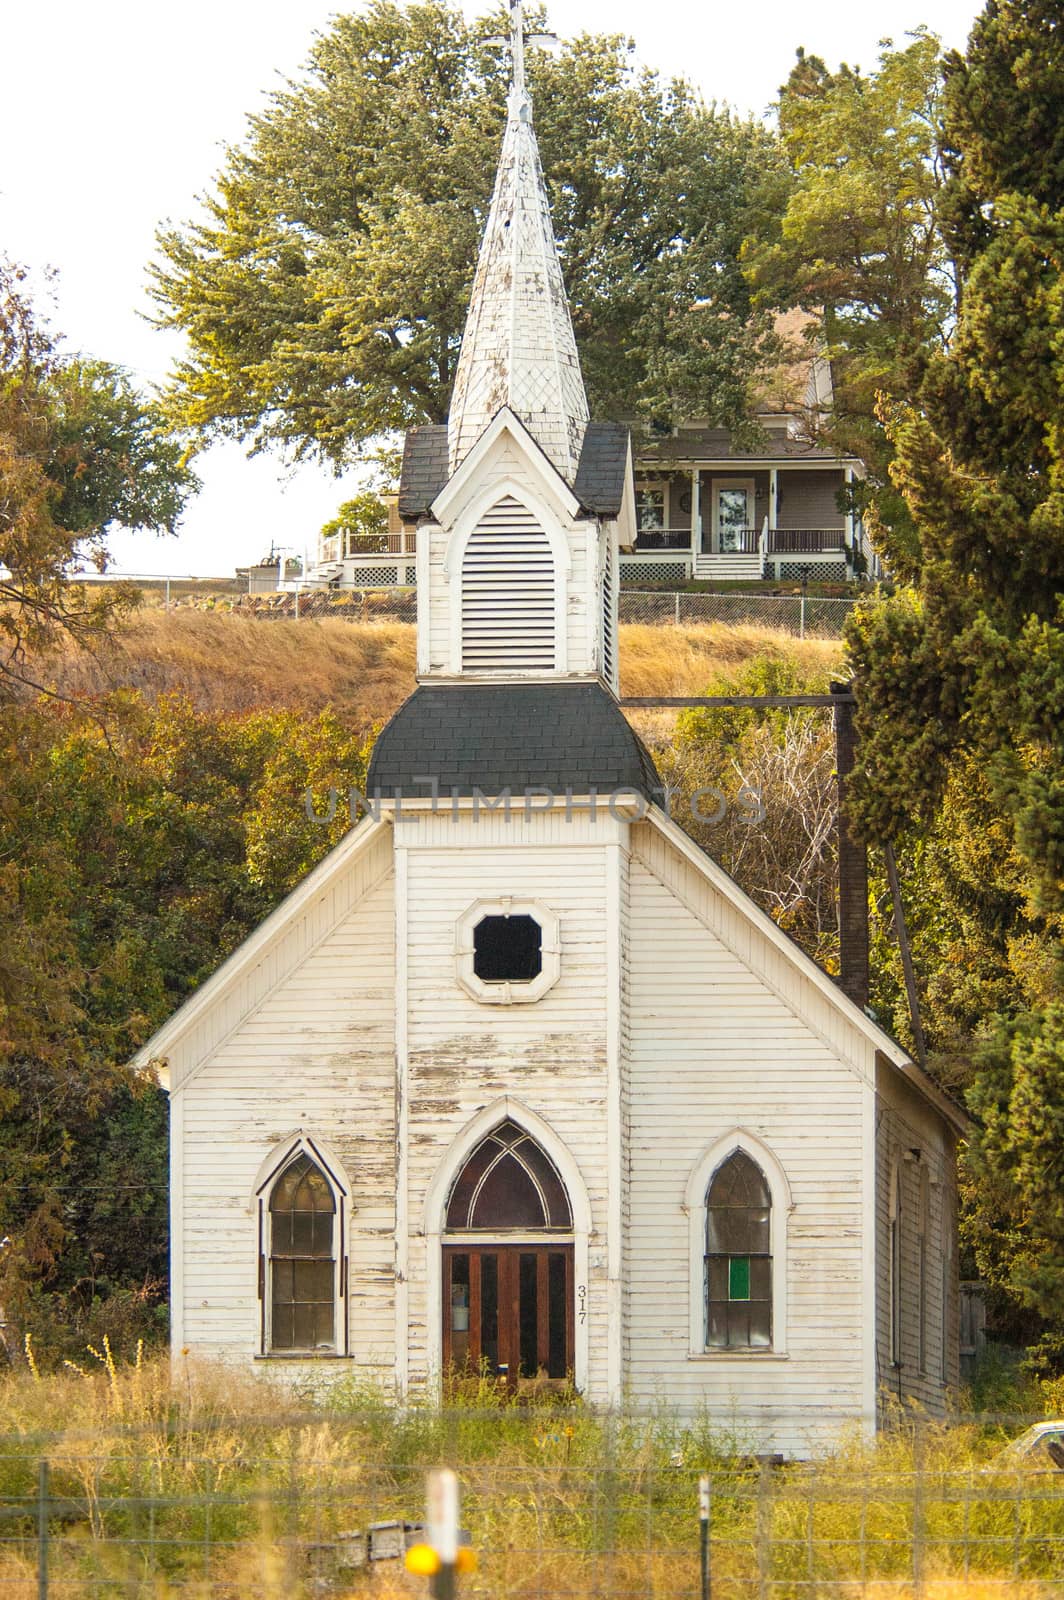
(519, 349)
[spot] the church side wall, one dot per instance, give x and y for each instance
(463, 1055)
(713, 1049)
(318, 1056)
(913, 1144)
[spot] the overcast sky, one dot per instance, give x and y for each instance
(113, 117)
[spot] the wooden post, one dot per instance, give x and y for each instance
(696, 514)
(853, 864)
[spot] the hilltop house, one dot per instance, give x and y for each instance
(518, 1079)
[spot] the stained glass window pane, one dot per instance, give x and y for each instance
(508, 1182)
(739, 1278)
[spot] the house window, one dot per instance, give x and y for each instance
(507, 951)
(650, 510)
(738, 1260)
(302, 1261)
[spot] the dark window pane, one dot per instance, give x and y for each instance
(282, 1232)
(302, 1224)
(717, 1333)
(302, 1187)
(314, 1280)
(283, 1334)
(558, 1314)
(528, 1313)
(323, 1235)
(761, 1278)
(718, 1277)
(738, 1326)
(304, 1326)
(489, 1310)
(283, 1281)
(760, 1325)
(466, 1183)
(508, 1198)
(551, 1186)
(324, 1328)
(507, 949)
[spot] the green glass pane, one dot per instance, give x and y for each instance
(739, 1278)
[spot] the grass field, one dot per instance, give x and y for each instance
(228, 662)
(222, 1484)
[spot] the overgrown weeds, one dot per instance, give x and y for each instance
(209, 1481)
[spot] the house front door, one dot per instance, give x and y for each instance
(508, 1310)
(732, 514)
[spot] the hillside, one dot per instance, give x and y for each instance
(225, 662)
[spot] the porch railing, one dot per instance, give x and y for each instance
(380, 544)
(663, 539)
(805, 541)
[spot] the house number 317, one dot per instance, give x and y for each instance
(581, 1296)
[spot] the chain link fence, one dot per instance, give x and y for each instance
(309, 1511)
(804, 616)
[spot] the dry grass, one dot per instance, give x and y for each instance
(227, 662)
(216, 1484)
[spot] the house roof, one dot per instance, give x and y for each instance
(599, 482)
(715, 444)
(492, 737)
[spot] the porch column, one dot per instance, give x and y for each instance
(848, 479)
(696, 513)
(773, 495)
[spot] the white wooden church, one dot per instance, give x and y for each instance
(518, 1078)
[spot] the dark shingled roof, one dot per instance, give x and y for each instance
(424, 470)
(599, 485)
(492, 737)
(715, 444)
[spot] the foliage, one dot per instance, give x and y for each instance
(757, 790)
(851, 233)
(960, 675)
(135, 856)
(80, 452)
(324, 289)
(237, 1482)
(364, 514)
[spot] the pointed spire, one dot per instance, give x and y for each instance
(519, 349)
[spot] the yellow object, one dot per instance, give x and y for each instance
(465, 1560)
(422, 1561)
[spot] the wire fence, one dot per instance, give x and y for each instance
(308, 1513)
(804, 616)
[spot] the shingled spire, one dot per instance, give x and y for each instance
(519, 349)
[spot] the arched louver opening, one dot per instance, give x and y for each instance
(302, 1259)
(508, 622)
(738, 1257)
(508, 1182)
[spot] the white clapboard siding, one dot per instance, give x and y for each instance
(317, 1055)
(711, 1049)
(508, 600)
(464, 1056)
(906, 1126)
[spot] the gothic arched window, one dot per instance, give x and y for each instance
(738, 1260)
(302, 1260)
(508, 1182)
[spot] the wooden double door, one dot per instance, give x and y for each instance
(508, 1309)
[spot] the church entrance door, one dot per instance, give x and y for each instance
(508, 1309)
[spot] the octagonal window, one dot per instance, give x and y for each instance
(507, 949)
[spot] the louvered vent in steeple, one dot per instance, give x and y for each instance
(508, 604)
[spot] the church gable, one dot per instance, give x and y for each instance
(328, 897)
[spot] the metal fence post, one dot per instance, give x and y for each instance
(703, 1533)
(676, 597)
(42, 1531)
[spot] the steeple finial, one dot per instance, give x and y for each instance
(519, 349)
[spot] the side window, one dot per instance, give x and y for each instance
(895, 1266)
(300, 1261)
(738, 1261)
